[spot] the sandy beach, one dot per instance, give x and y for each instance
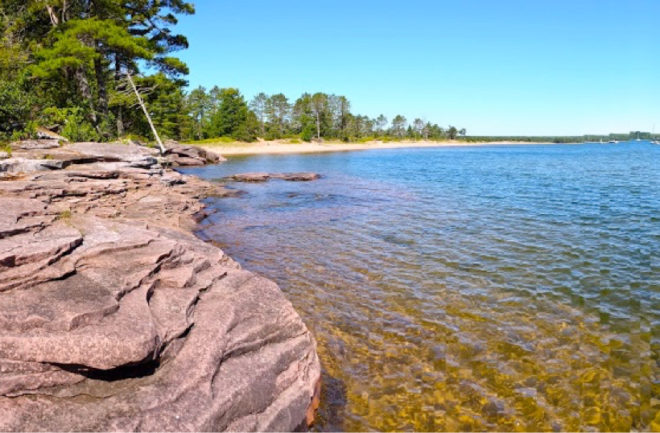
(283, 146)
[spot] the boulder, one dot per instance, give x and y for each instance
(114, 317)
(191, 155)
(184, 161)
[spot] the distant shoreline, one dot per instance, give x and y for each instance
(283, 147)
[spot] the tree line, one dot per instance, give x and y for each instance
(225, 112)
(64, 63)
(587, 138)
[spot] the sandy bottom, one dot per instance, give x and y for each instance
(275, 147)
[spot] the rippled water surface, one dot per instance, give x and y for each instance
(484, 288)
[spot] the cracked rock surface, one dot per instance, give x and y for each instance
(114, 317)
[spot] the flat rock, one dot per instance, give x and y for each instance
(44, 143)
(263, 177)
(114, 317)
(250, 177)
(28, 158)
(112, 152)
(14, 166)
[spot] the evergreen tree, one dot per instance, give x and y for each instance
(258, 107)
(319, 109)
(78, 50)
(304, 118)
(381, 124)
(232, 117)
(398, 126)
(199, 106)
(278, 112)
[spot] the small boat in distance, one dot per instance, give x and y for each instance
(613, 141)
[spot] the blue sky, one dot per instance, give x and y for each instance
(529, 67)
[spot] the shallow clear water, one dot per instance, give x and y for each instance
(484, 288)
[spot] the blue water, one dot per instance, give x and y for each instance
(480, 288)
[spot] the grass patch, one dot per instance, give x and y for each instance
(216, 140)
(65, 215)
(219, 144)
(5, 147)
(139, 139)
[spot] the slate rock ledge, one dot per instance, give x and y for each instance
(114, 317)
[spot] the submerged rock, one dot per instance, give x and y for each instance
(296, 177)
(114, 317)
(250, 177)
(263, 177)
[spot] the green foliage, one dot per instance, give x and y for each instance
(72, 123)
(278, 116)
(199, 106)
(75, 44)
(398, 126)
(214, 140)
(5, 147)
(541, 139)
(223, 113)
(232, 117)
(16, 101)
(166, 103)
(134, 138)
(15, 106)
(71, 56)
(308, 132)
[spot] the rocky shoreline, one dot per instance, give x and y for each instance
(115, 317)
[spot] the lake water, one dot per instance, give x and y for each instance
(485, 288)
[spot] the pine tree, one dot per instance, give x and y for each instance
(199, 106)
(232, 118)
(79, 50)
